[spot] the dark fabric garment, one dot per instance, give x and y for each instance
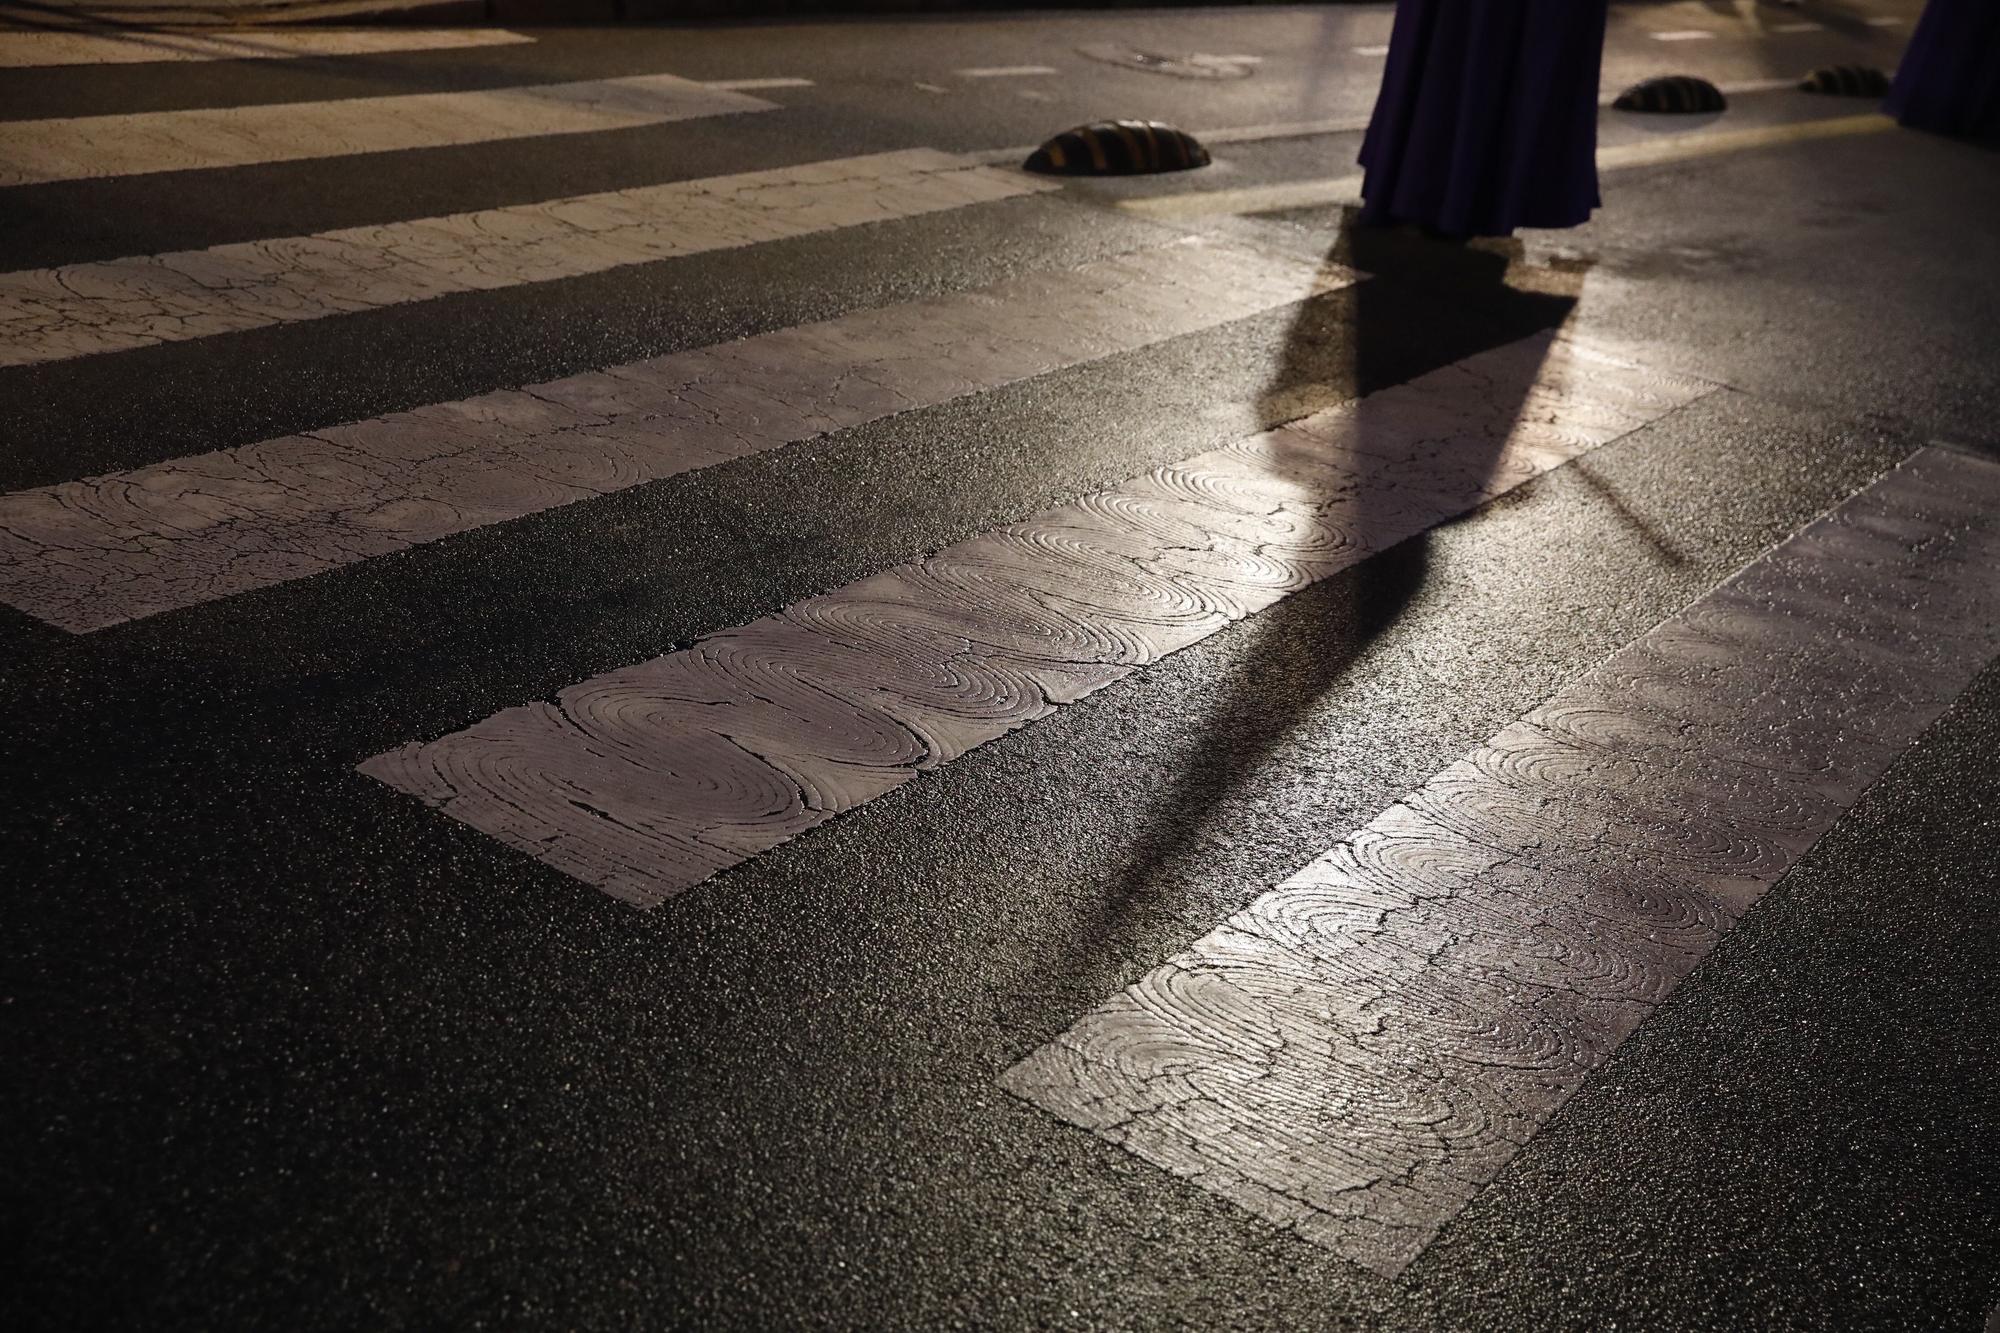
(1487, 118)
(1949, 82)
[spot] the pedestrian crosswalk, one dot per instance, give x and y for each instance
(113, 305)
(648, 780)
(85, 147)
(112, 548)
(1360, 1049)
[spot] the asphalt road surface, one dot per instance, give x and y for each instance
(644, 688)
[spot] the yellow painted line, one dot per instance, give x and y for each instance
(1347, 189)
(1716, 142)
(1252, 199)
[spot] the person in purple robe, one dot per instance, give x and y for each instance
(1949, 81)
(1487, 118)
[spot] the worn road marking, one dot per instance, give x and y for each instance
(84, 309)
(758, 85)
(87, 147)
(649, 779)
(20, 50)
(87, 554)
(1373, 52)
(1684, 35)
(1361, 1049)
(1005, 71)
(1347, 189)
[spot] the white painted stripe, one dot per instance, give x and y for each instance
(1364, 1047)
(1371, 51)
(93, 553)
(1005, 71)
(85, 147)
(1684, 35)
(933, 88)
(84, 309)
(20, 50)
(757, 85)
(647, 780)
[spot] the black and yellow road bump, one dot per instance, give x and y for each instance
(1846, 81)
(1118, 148)
(1674, 95)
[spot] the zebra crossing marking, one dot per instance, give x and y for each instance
(87, 554)
(1359, 1051)
(646, 780)
(85, 309)
(26, 50)
(33, 152)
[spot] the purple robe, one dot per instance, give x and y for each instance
(1949, 82)
(1487, 118)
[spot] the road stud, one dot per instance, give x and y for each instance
(1118, 148)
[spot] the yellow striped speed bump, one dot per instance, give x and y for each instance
(1846, 81)
(1673, 94)
(1118, 148)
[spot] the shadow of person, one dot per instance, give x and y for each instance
(1424, 306)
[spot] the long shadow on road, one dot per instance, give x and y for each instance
(1460, 295)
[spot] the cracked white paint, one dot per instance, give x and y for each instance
(20, 50)
(1361, 1049)
(84, 309)
(649, 779)
(86, 554)
(33, 152)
